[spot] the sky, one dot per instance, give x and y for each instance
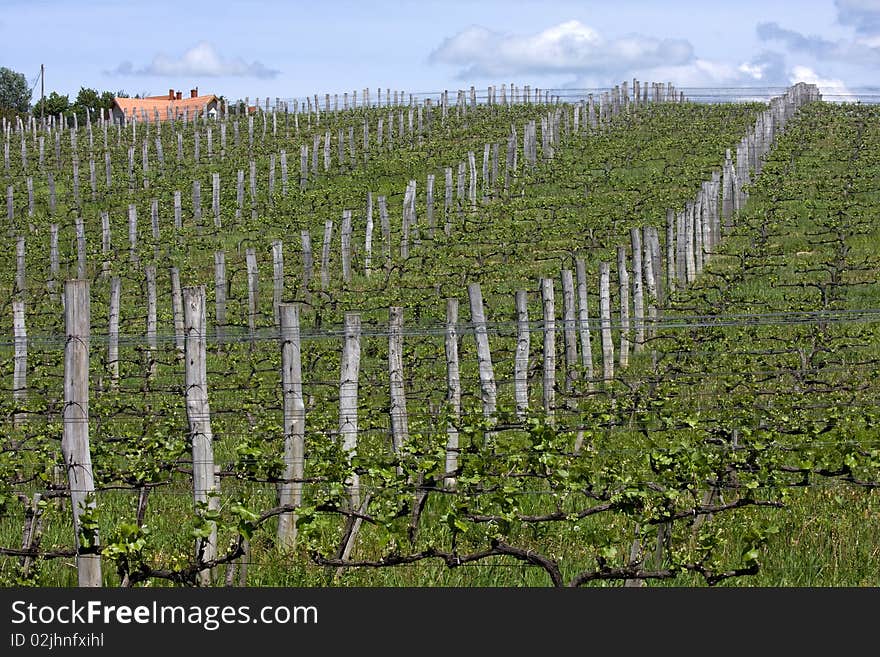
(293, 49)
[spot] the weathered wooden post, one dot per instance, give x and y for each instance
(385, 227)
(453, 391)
(220, 295)
(569, 329)
(150, 279)
(113, 331)
(605, 321)
(399, 422)
(368, 238)
(521, 358)
(198, 414)
(75, 438)
(549, 329)
(348, 397)
(253, 287)
(325, 254)
(638, 290)
(623, 287)
(584, 320)
(307, 263)
(20, 271)
(487, 375)
(290, 492)
(177, 308)
(345, 242)
(277, 278)
(671, 251)
(19, 374)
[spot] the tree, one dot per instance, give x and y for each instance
(14, 93)
(86, 99)
(52, 105)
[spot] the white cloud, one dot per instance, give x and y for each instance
(201, 60)
(569, 47)
(766, 69)
(862, 15)
(861, 49)
(831, 89)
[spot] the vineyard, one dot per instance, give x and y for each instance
(627, 340)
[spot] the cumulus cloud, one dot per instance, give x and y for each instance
(202, 60)
(830, 88)
(793, 40)
(862, 49)
(861, 15)
(763, 72)
(569, 47)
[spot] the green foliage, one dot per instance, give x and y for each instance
(15, 96)
(52, 105)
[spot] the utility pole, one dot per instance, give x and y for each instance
(42, 92)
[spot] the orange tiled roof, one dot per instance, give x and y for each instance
(151, 105)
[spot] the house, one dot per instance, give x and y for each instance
(170, 106)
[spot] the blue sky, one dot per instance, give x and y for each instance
(295, 49)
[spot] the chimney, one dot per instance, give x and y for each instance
(194, 93)
(179, 95)
(171, 94)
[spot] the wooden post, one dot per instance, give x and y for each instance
(447, 201)
(409, 218)
(239, 193)
(623, 281)
(154, 223)
(429, 205)
(472, 180)
(453, 391)
(277, 278)
(345, 239)
(290, 492)
(549, 328)
(521, 359)
(20, 284)
(178, 211)
(484, 356)
(689, 260)
(132, 232)
(150, 277)
(198, 413)
(698, 234)
(113, 331)
(584, 320)
(81, 246)
(325, 254)
(215, 198)
(348, 397)
(651, 296)
(368, 239)
(19, 337)
(253, 286)
(54, 264)
(307, 261)
(75, 437)
(385, 226)
(605, 321)
(177, 308)
(635, 236)
(399, 422)
(569, 329)
(220, 295)
(671, 250)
